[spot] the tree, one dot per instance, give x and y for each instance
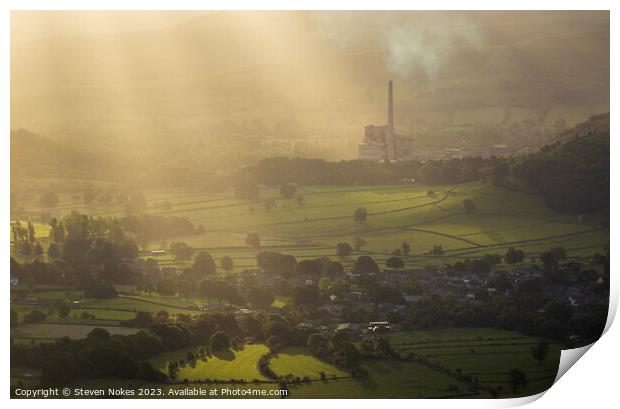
(209, 288)
(540, 351)
(48, 199)
(57, 231)
(308, 267)
(358, 243)
(344, 249)
(181, 251)
(365, 265)
(253, 240)
(162, 316)
(492, 259)
(60, 368)
(63, 308)
(300, 200)
(383, 347)
(333, 268)
(406, 248)
(98, 334)
(395, 262)
(549, 260)
(227, 264)
(38, 250)
(306, 295)
(517, 379)
(142, 319)
(340, 337)
(288, 190)
(360, 215)
(324, 283)
(339, 287)
(167, 286)
(316, 343)
(204, 264)
(148, 373)
(31, 233)
(276, 263)
(558, 252)
(261, 297)
(347, 356)
(219, 341)
(53, 251)
(185, 288)
(437, 250)
(514, 256)
(34, 316)
(470, 206)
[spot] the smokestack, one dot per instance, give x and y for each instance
(390, 149)
(390, 122)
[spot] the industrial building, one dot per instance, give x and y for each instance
(382, 142)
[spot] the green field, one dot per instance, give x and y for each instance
(299, 362)
(222, 365)
(396, 214)
(485, 354)
(386, 379)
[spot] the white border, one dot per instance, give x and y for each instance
(591, 383)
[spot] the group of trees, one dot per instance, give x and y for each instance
(572, 176)
(25, 242)
(283, 171)
(124, 356)
(525, 309)
(76, 244)
(338, 350)
(287, 265)
(156, 227)
(478, 266)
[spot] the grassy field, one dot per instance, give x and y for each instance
(485, 354)
(299, 362)
(386, 379)
(223, 365)
(396, 214)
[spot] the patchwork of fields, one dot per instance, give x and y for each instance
(485, 355)
(395, 214)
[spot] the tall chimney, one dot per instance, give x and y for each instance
(390, 125)
(390, 122)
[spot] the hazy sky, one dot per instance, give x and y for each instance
(140, 73)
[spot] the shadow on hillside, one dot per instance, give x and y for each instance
(226, 355)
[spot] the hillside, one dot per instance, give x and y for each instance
(573, 173)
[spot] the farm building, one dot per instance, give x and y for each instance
(379, 326)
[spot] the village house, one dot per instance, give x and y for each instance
(352, 329)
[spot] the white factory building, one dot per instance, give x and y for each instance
(382, 142)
